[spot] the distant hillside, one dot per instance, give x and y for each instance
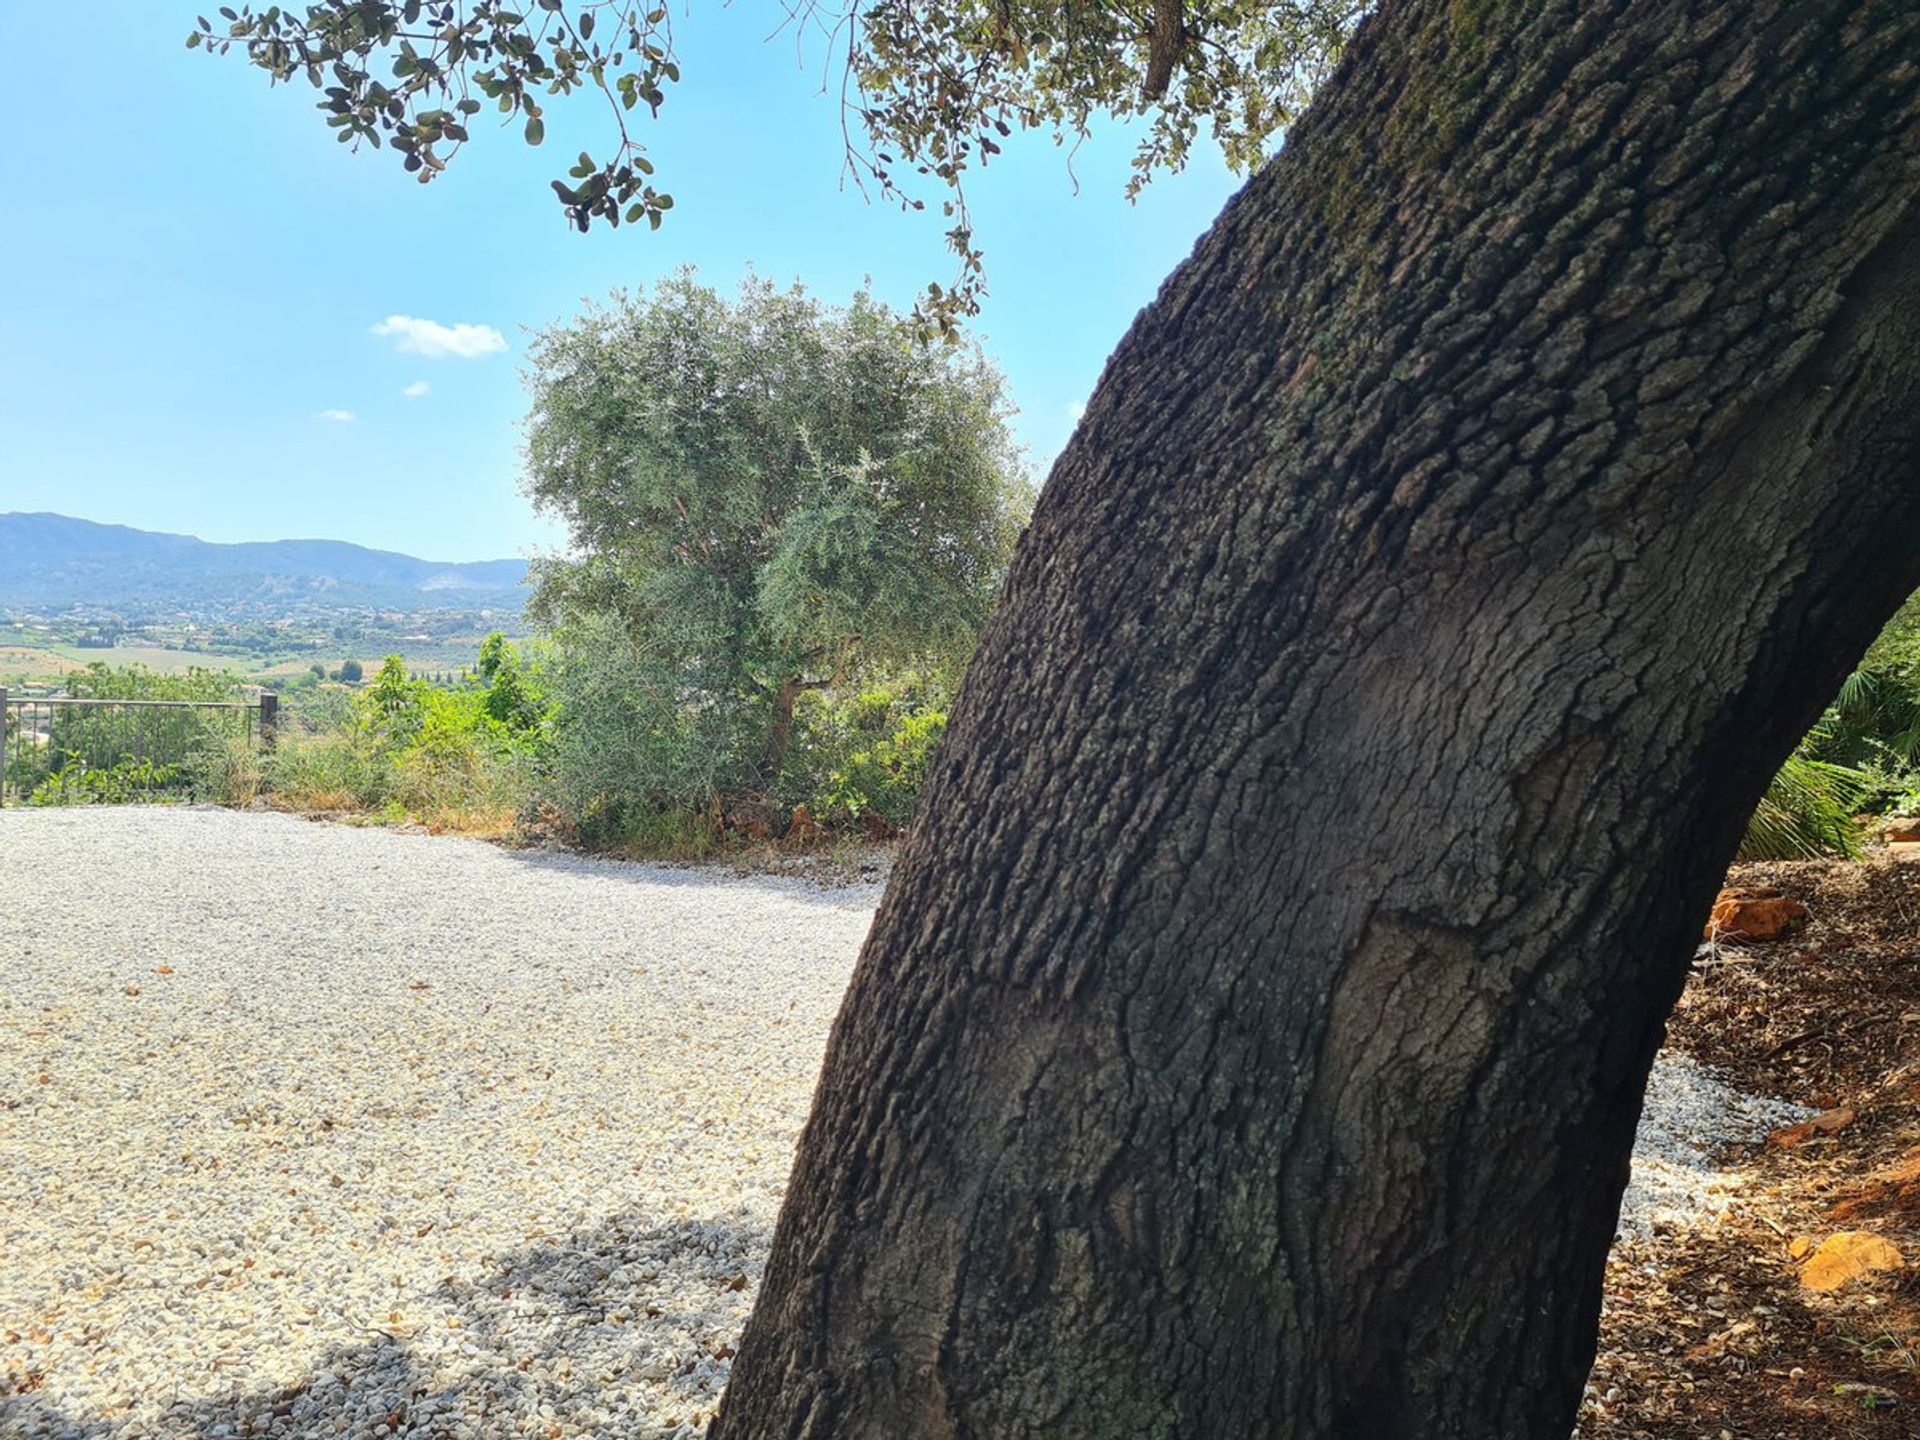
(52, 562)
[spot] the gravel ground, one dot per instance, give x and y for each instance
(1689, 1118)
(316, 1129)
(311, 1130)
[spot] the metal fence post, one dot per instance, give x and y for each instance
(3, 744)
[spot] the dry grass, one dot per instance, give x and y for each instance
(306, 800)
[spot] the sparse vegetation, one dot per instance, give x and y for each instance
(459, 757)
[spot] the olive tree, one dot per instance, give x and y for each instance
(774, 495)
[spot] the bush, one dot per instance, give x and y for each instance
(76, 782)
(409, 749)
(869, 754)
(1808, 812)
(113, 754)
(345, 770)
(100, 681)
(226, 770)
(629, 745)
(642, 760)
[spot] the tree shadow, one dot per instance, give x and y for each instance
(625, 1327)
(862, 895)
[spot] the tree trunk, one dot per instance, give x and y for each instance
(780, 738)
(1254, 1046)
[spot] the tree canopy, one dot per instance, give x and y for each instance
(931, 87)
(773, 495)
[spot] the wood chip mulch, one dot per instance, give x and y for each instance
(1709, 1333)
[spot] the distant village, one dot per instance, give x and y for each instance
(277, 651)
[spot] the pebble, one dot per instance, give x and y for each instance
(1681, 1177)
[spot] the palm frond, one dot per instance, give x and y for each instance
(1807, 812)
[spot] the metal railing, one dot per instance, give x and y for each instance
(55, 747)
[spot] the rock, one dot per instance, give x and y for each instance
(1848, 1256)
(1827, 1122)
(803, 830)
(1904, 850)
(1901, 829)
(1753, 915)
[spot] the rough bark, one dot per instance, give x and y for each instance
(780, 734)
(1251, 1040)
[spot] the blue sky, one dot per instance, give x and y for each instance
(194, 272)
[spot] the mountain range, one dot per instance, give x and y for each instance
(50, 563)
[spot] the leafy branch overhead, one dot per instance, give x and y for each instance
(930, 88)
(444, 63)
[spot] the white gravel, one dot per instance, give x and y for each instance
(417, 1132)
(1690, 1118)
(308, 1130)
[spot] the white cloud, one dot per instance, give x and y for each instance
(416, 389)
(430, 338)
(1077, 411)
(343, 416)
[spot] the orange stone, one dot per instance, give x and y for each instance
(1848, 1256)
(1753, 915)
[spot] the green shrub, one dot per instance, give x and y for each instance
(393, 706)
(1863, 756)
(410, 749)
(225, 769)
(100, 681)
(104, 753)
(887, 741)
(629, 744)
(345, 770)
(76, 782)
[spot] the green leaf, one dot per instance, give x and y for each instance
(536, 130)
